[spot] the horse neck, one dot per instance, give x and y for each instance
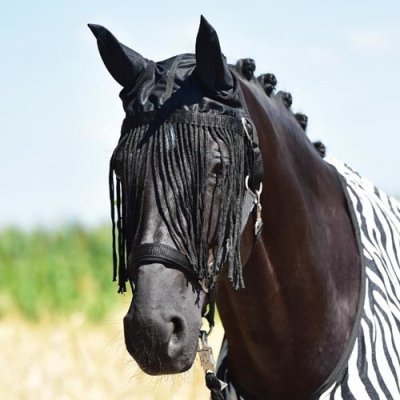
(301, 277)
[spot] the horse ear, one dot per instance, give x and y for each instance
(211, 65)
(123, 63)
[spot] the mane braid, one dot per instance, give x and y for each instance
(174, 157)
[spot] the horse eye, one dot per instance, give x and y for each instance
(217, 169)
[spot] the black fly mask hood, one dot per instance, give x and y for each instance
(173, 108)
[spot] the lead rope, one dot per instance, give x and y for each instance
(215, 385)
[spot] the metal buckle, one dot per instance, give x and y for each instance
(207, 358)
(207, 283)
(246, 131)
(204, 284)
(259, 223)
(257, 202)
(246, 182)
(205, 353)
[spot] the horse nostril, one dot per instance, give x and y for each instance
(178, 336)
(178, 330)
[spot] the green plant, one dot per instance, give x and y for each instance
(56, 272)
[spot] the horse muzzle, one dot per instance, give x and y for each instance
(161, 327)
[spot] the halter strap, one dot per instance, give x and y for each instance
(251, 132)
(149, 253)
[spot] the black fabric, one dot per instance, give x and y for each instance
(188, 93)
(123, 63)
(181, 169)
(155, 118)
(169, 95)
(211, 65)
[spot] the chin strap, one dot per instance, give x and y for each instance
(215, 385)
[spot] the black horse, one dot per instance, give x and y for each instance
(218, 196)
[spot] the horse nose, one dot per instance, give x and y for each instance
(178, 335)
(163, 322)
(155, 339)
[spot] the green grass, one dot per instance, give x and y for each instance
(56, 273)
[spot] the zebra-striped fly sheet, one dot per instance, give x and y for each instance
(370, 368)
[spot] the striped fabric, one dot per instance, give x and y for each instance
(370, 368)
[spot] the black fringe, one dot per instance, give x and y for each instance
(174, 158)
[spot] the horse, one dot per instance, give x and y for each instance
(219, 197)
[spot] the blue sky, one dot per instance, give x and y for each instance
(60, 111)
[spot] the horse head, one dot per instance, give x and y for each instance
(184, 178)
(177, 183)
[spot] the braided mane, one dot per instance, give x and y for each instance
(246, 67)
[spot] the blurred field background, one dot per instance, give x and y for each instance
(61, 322)
(60, 316)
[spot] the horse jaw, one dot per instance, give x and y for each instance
(163, 322)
